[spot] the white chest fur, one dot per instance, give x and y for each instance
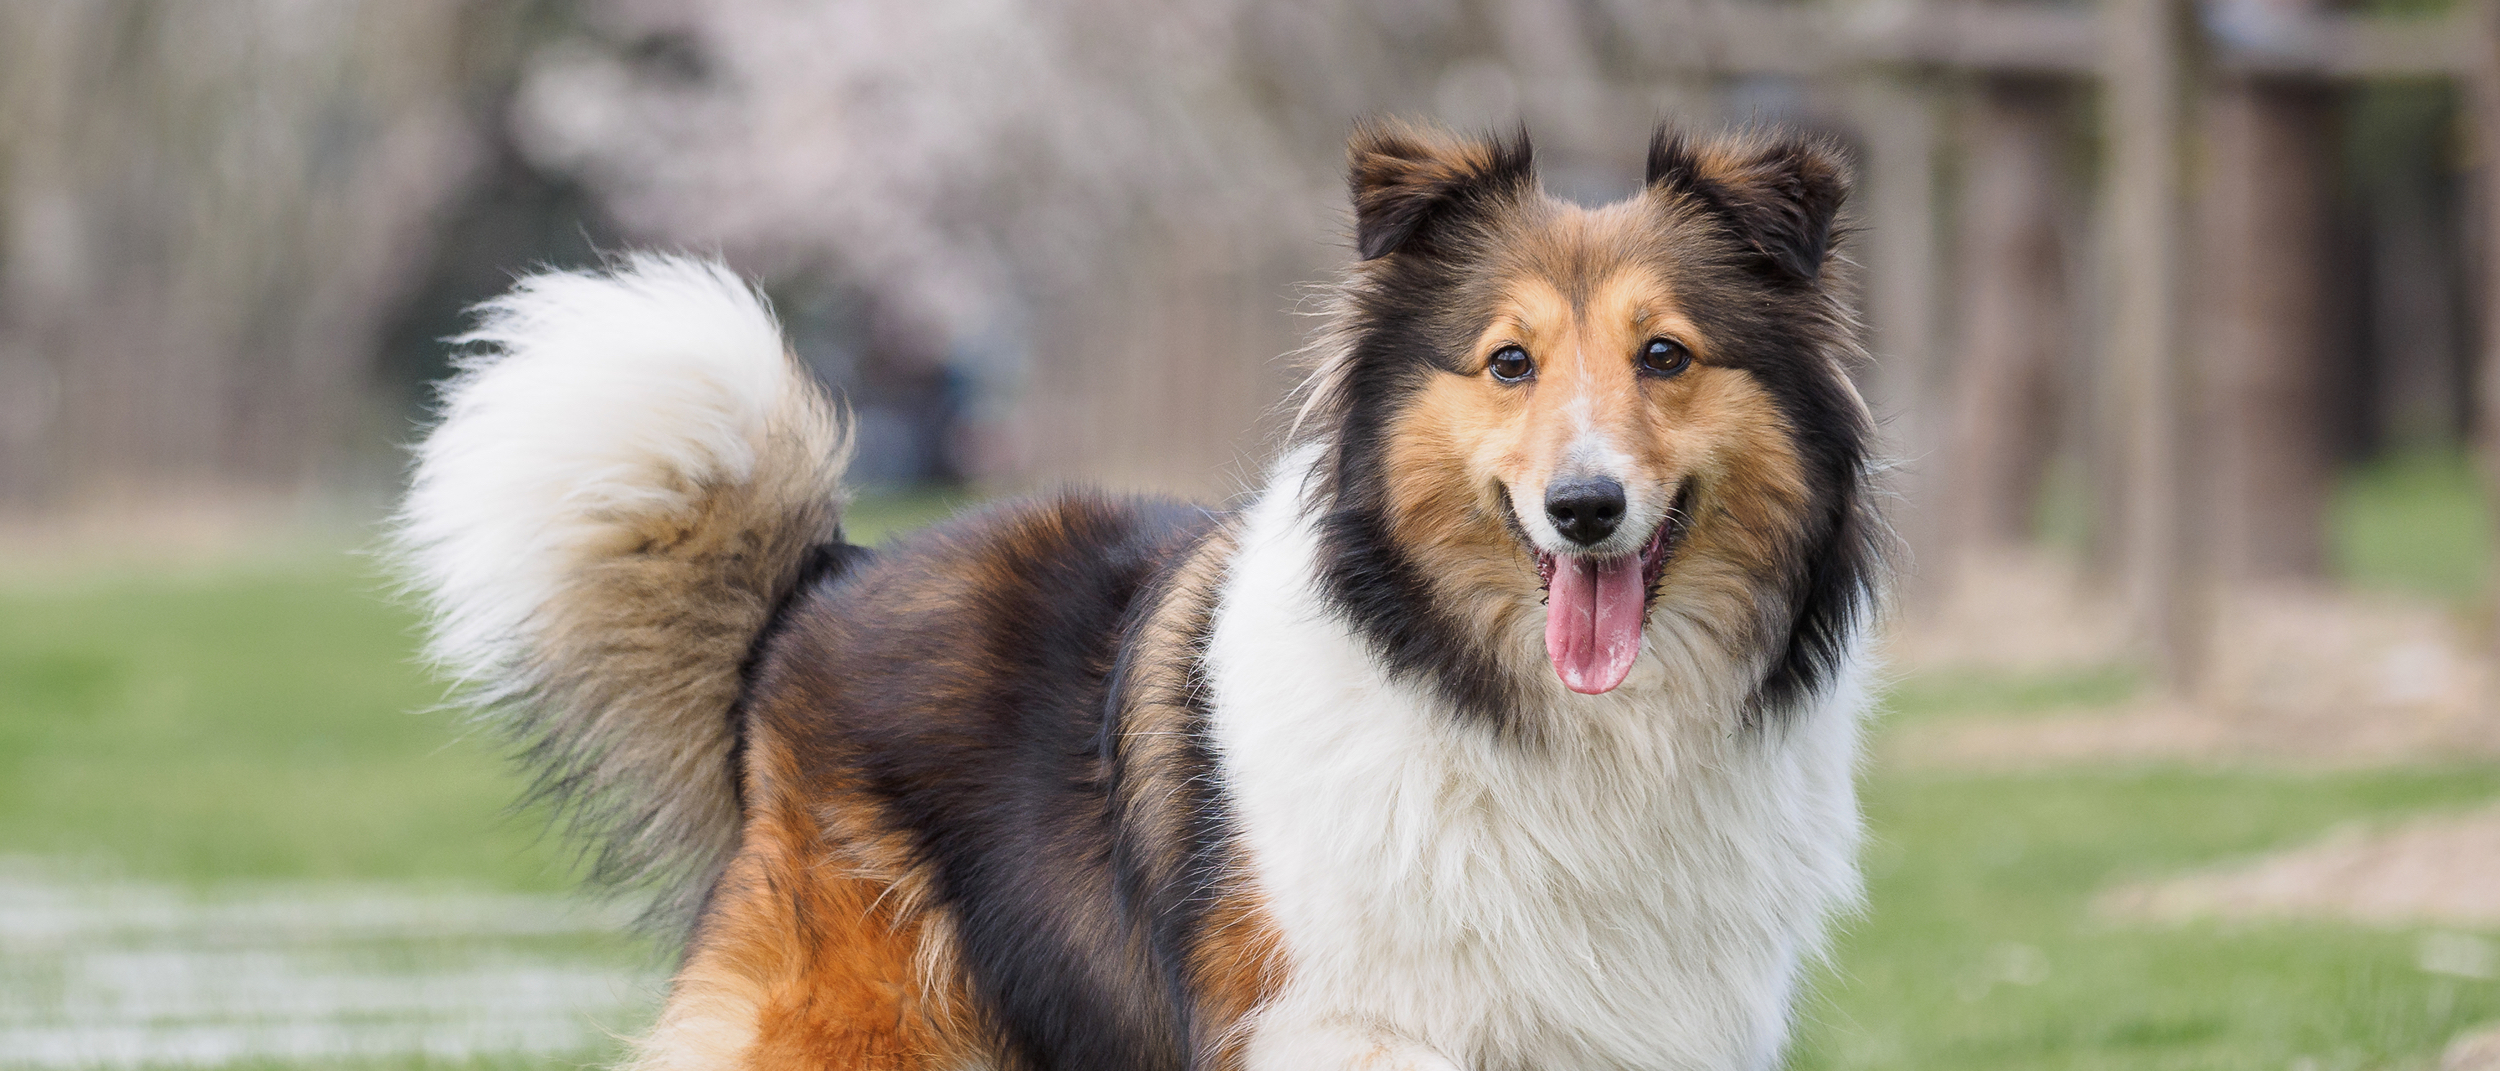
(1638, 890)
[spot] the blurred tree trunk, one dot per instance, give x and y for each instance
(2406, 221)
(2142, 414)
(209, 210)
(2265, 312)
(2017, 313)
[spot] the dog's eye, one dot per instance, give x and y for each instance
(1664, 357)
(1510, 364)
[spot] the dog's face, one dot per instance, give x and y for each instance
(1563, 428)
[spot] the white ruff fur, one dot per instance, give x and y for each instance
(1638, 887)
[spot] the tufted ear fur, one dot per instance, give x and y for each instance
(1779, 192)
(1411, 183)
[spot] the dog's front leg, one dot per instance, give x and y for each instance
(1289, 1042)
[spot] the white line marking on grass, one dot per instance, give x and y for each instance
(100, 974)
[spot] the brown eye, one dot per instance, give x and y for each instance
(1510, 364)
(1664, 357)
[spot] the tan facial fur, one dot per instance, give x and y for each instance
(1470, 448)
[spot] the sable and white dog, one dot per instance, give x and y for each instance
(1511, 726)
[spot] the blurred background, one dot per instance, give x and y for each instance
(2184, 327)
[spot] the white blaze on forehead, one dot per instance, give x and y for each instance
(1583, 406)
(1593, 453)
(1590, 452)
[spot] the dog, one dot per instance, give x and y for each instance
(1511, 724)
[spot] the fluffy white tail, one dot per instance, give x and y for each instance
(627, 477)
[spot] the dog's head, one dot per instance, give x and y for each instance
(1561, 436)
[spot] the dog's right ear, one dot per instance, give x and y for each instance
(1411, 183)
(1779, 193)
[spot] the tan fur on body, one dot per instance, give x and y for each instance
(1236, 964)
(821, 950)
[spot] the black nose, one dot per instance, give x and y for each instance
(1585, 511)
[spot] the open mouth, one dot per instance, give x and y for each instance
(1595, 608)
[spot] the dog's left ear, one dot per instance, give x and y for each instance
(1416, 187)
(1779, 193)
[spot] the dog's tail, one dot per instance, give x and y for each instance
(629, 474)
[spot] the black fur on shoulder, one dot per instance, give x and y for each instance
(1173, 841)
(824, 565)
(976, 722)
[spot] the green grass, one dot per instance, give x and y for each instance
(210, 725)
(204, 726)
(877, 517)
(1975, 880)
(2417, 524)
(1979, 948)
(1986, 693)
(254, 723)
(261, 722)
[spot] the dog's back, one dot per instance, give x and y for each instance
(930, 842)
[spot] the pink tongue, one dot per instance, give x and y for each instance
(1593, 621)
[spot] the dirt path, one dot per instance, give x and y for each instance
(2300, 676)
(2441, 870)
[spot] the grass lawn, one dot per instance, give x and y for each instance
(1979, 948)
(209, 779)
(1980, 951)
(2414, 523)
(255, 722)
(248, 724)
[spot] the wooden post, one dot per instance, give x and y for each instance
(2017, 317)
(2263, 322)
(2143, 413)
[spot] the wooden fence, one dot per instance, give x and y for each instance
(2204, 316)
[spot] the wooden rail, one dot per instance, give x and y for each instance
(1733, 37)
